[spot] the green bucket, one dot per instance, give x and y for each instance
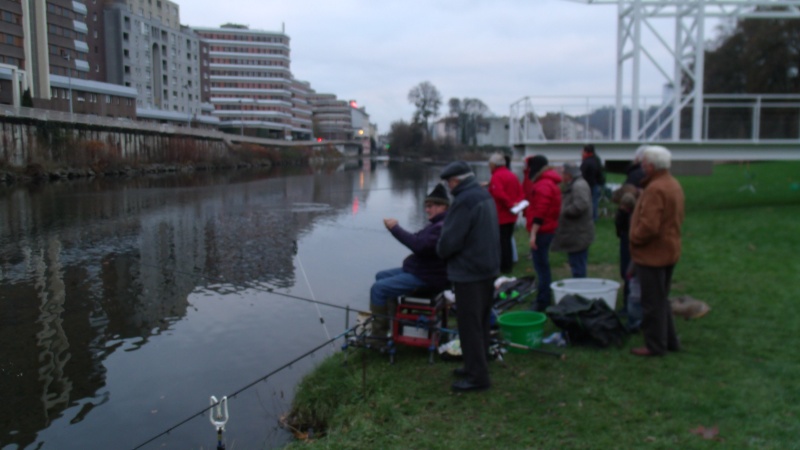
(522, 327)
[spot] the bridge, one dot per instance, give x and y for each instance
(695, 126)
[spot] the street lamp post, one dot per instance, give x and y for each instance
(241, 117)
(188, 106)
(68, 57)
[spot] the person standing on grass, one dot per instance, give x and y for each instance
(469, 245)
(655, 237)
(592, 171)
(622, 220)
(541, 220)
(506, 191)
(575, 232)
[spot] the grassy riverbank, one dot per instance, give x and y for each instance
(734, 384)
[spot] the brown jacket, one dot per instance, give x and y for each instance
(655, 232)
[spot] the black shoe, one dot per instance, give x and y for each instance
(467, 385)
(460, 372)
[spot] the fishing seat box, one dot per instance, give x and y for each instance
(418, 319)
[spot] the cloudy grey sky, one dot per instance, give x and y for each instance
(375, 51)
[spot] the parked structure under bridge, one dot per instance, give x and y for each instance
(695, 126)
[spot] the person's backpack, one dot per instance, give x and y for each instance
(587, 321)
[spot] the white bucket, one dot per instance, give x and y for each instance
(588, 288)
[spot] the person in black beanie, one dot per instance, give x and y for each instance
(469, 245)
(421, 269)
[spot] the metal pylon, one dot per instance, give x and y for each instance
(636, 17)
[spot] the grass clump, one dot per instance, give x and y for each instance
(734, 385)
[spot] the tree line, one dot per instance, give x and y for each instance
(465, 119)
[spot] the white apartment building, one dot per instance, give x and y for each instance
(251, 82)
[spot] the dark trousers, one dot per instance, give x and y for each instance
(624, 262)
(474, 302)
(657, 327)
(506, 253)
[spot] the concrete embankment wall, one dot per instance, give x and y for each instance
(26, 143)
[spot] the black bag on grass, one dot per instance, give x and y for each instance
(587, 321)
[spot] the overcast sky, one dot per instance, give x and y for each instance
(375, 51)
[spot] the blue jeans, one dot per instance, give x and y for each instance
(597, 192)
(634, 306)
(392, 283)
(578, 262)
(541, 264)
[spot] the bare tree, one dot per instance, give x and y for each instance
(426, 98)
(469, 114)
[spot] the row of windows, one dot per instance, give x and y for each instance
(257, 50)
(11, 39)
(66, 32)
(248, 85)
(10, 17)
(63, 71)
(245, 73)
(11, 61)
(250, 62)
(257, 97)
(88, 96)
(66, 12)
(246, 107)
(264, 119)
(246, 38)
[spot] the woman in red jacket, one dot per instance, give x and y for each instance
(506, 192)
(544, 195)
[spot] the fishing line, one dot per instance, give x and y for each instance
(314, 298)
(246, 387)
(254, 286)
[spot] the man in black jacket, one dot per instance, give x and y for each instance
(469, 245)
(592, 171)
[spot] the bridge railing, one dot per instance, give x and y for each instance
(728, 117)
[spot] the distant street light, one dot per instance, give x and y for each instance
(68, 57)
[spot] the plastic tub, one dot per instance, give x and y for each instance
(588, 288)
(522, 327)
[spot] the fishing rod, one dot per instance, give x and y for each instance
(244, 388)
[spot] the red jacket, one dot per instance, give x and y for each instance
(506, 192)
(544, 195)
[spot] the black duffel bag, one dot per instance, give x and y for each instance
(587, 321)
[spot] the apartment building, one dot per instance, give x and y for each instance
(302, 112)
(167, 65)
(45, 46)
(251, 80)
(332, 117)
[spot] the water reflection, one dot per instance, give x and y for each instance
(171, 270)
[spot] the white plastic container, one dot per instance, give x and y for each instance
(589, 288)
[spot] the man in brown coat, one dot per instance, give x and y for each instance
(655, 237)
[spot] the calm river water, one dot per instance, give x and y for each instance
(126, 304)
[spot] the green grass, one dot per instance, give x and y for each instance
(739, 369)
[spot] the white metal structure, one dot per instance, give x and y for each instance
(636, 19)
(687, 49)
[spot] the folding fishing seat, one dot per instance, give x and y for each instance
(419, 320)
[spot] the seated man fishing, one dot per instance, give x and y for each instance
(422, 269)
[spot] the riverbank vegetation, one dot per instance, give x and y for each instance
(70, 158)
(734, 383)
